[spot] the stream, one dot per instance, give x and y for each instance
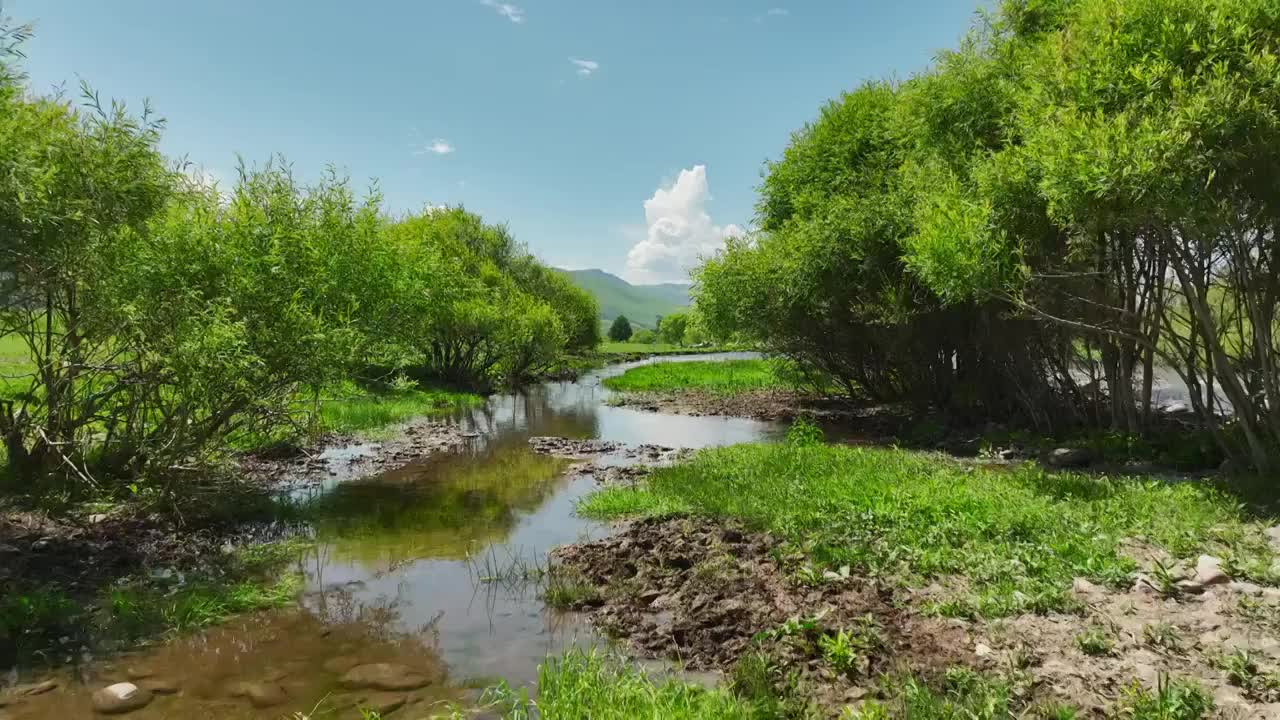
(404, 572)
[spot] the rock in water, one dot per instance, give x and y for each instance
(384, 676)
(1070, 457)
(383, 703)
(120, 698)
(265, 695)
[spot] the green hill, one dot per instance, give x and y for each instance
(642, 304)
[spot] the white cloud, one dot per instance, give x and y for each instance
(678, 231)
(511, 12)
(585, 67)
(439, 146)
(778, 12)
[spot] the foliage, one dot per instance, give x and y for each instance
(1173, 699)
(644, 337)
(673, 327)
(150, 321)
(1078, 198)
(620, 330)
(1016, 537)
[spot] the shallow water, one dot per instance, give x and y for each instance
(398, 570)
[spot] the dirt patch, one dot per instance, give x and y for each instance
(757, 404)
(1223, 637)
(710, 594)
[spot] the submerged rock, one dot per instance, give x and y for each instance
(160, 686)
(384, 676)
(120, 698)
(340, 664)
(265, 694)
(383, 703)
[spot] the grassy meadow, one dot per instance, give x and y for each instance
(1004, 541)
(724, 377)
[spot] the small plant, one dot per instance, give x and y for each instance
(1096, 641)
(1166, 578)
(1163, 636)
(567, 589)
(838, 650)
(804, 433)
(1172, 700)
(403, 383)
(1241, 667)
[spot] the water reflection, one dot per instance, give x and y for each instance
(389, 576)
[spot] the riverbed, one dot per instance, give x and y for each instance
(412, 567)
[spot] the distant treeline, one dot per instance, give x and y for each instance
(161, 315)
(1083, 192)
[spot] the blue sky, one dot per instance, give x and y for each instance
(628, 136)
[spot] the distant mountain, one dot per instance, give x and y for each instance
(642, 304)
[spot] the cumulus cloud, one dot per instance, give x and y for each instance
(511, 12)
(439, 146)
(585, 67)
(678, 231)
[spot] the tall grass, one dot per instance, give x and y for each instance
(723, 377)
(1013, 539)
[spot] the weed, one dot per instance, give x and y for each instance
(838, 650)
(1172, 700)
(1166, 577)
(567, 589)
(804, 432)
(1241, 667)
(591, 684)
(962, 694)
(1096, 641)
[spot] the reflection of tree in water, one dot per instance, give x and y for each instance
(441, 508)
(554, 409)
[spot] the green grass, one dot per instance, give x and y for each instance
(724, 377)
(592, 684)
(1003, 541)
(360, 411)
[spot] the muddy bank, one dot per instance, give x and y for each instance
(756, 404)
(711, 594)
(337, 458)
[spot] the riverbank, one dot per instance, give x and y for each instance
(103, 576)
(892, 582)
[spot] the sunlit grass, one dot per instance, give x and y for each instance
(1014, 538)
(725, 377)
(595, 685)
(368, 412)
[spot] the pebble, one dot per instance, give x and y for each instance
(982, 650)
(120, 698)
